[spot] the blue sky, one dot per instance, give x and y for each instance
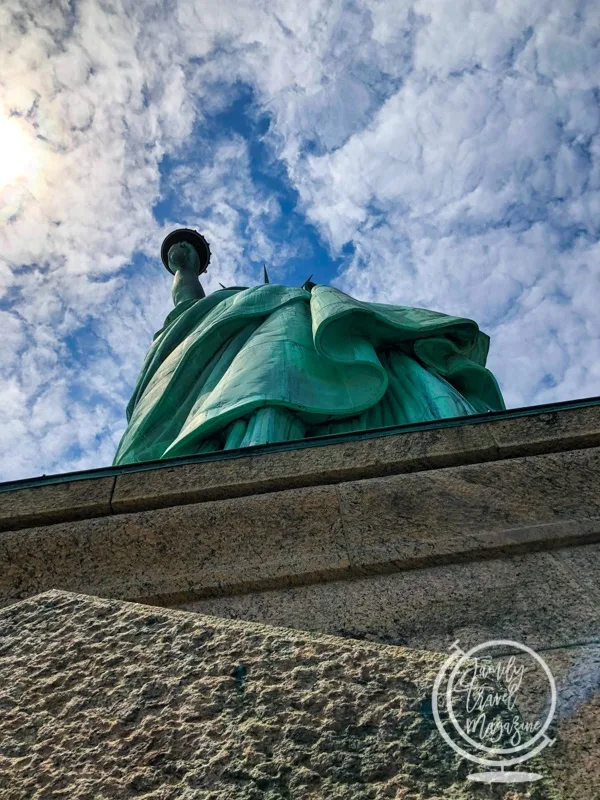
(442, 154)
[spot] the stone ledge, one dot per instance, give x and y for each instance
(170, 556)
(532, 598)
(55, 502)
(308, 466)
(214, 547)
(463, 512)
(409, 451)
(257, 472)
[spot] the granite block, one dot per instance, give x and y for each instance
(305, 466)
(110, 700)
(528, 598)
(464, 512)
(530, 434)
(583, 565)
(44, 505)
(212, 547)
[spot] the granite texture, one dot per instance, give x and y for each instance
(547, 432)
(574, 758)
(205, 548)
(170, 556)
(582, 564)
(306, 466)
(102, 700)
(528, 598)
(44, 505)
(575, 761)
(460, 512)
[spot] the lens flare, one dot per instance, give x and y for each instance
(17, 152)
(19, 166)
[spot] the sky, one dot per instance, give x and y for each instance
(443, 154)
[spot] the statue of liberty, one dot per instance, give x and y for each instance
(246, 366)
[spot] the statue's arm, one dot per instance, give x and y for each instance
(186, 286)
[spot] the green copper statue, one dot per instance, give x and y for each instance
(246, 366)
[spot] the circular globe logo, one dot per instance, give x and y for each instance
(482, 702)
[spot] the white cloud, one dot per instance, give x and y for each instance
(475, 189)
(455, 144)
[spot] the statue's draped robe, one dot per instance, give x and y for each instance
(273, 363)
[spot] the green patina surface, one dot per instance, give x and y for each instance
(271, 363)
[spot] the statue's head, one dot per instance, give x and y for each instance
(183, 256)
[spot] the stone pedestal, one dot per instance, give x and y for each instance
(475, 530)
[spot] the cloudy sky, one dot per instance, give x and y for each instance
(438, 153)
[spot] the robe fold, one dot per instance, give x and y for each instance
(273, 363)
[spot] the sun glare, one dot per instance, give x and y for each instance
(21, 176)
(17, 152)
